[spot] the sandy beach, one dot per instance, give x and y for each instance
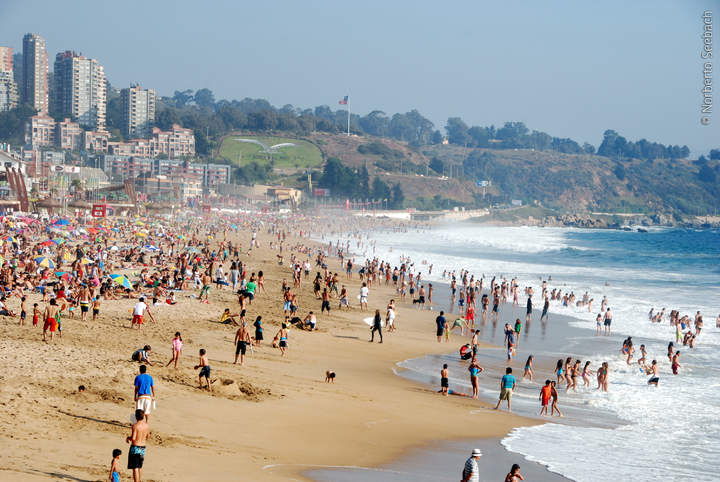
(272, 419)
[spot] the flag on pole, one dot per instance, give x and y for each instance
(343, 101)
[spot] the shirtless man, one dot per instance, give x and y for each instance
(242, 340)
(51, 314)
(654, 373)
(608, 320)
(137, 440)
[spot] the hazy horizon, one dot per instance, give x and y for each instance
(571, 70)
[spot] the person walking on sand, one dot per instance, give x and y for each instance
(139, 313)
(242, 340)
(507, 385)
(138, 440)
(51, 314)
(177, 345)
(471, 471)
(364, 291)
(282, 337)
(376, 326)
(442, 326)
(144, 391)
(204, 367)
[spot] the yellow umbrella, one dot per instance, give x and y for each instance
(86, 261)
(141, 234)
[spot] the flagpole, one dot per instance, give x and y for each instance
(348, 113)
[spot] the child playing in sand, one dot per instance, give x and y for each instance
(115, 466)
(177, 345)
(204, 369)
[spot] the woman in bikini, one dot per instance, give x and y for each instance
(529, 368)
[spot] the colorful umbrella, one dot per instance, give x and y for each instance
(86, 261)
(12, 239)
(62, 222)
(122, 280)
(45, 262)
(151, 247)
(62, 274)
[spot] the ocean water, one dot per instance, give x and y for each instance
(670, 432)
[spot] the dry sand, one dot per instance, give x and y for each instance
(274, 411)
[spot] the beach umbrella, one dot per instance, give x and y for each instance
(141, 234)
(45, 262)
(151, 247)
(62, 222)
(62, 274)
(86, 261)
(49, 242)
(114, 248)
(122, 280)
(11, 239)
(117, 230)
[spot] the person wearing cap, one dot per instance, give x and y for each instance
(471, 472)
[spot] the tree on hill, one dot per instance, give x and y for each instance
(397, 197)
(205, 98)
(380, 190)
(437, 165)
(715, 154)
(706, 174)
(457, 131)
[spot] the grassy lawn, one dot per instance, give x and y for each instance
(302, 155)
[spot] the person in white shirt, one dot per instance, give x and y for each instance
(139, 313)
(364, 291)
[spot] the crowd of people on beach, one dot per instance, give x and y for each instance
(58, 269)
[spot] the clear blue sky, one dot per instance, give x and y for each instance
(570, 68)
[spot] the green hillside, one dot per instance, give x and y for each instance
(302, 155)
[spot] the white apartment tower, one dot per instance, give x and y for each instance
(8, 91)
(80, 90)
(138, 107)
(35, 72)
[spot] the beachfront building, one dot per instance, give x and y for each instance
(8, 91)
(162, 187)
(177, 142)
(79, 90)
(96, 141)
(40, 131)
(128, 167)
(138, 108)
(35, 73)
(68, 135)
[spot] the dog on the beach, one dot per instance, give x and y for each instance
(329, 376)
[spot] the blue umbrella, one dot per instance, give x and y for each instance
(62, 222)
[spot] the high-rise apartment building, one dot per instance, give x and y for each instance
(6, 59)
(8, 91)
(138, 107)
(80, 90)
(35, 72)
